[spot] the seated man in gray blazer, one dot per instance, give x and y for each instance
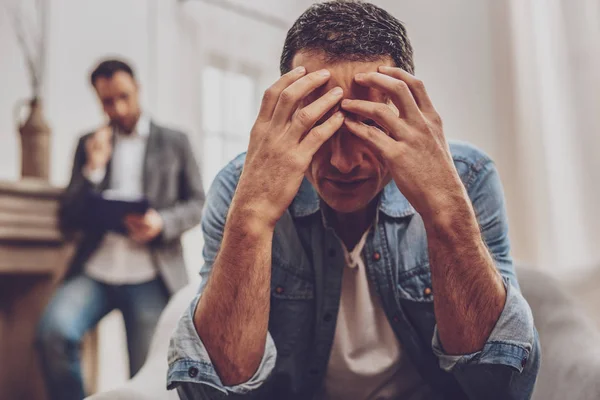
(134, 272)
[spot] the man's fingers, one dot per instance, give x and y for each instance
(134, 218)
(415, 85)
(293, 94)
(138, 228)
(136, 232)
(271, 95)
(307, 117)
(130, 227)
(104, 133)
(381, 113)
(397, 89)
(318, 135)
(89, 145)
(135, 223)
(375, 137)
(102, 138)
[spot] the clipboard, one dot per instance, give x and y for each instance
(107, 210)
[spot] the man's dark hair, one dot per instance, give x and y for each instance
(107, 68)
(348, 30)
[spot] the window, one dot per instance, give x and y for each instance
(230, 106)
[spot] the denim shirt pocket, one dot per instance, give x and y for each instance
(292, 311)
(415, 284)
(415, 294)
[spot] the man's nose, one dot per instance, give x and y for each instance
(343, 157)
(120, 109)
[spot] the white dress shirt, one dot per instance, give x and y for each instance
(118, 259)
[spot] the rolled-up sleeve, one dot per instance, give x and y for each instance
(189, 362)
(506, 367)
(510, 343)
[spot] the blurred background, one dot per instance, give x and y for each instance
(518, 78)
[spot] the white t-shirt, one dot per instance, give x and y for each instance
(367, 361)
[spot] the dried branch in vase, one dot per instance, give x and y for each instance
(29, 20)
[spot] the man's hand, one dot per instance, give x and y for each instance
(413, 144)
(98, 149)
(144, 228)
(282, 144)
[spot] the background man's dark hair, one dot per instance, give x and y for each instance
(107, 68)
(348, 30)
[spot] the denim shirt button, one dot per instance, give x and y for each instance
(193, 372)
(427, 291)
(523, 362)
(396, 319)
(279, 289)
(376, 256)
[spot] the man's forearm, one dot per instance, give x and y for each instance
(233, 312)
(469, 293)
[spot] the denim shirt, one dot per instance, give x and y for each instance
(307, 265)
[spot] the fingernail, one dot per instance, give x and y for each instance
(324, 72)
(337, 91)
(299, 70)
(360, 76)
(339, 114)
(345, 102)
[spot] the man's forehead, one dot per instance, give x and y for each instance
(342, 74)
(314, 60)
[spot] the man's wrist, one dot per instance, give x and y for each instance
(255, 212)
(451, 217)
(249, 221)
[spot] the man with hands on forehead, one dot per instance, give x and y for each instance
(352, 252)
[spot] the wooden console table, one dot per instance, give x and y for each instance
(33, 258)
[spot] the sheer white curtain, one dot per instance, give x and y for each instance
(548, 89)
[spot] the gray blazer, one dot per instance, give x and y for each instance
(173, 187)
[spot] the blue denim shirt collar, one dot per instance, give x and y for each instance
(392, 202)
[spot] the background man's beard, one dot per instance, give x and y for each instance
(122, 126)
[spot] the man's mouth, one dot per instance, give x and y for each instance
(346, 185)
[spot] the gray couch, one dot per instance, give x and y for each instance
(570, 346)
